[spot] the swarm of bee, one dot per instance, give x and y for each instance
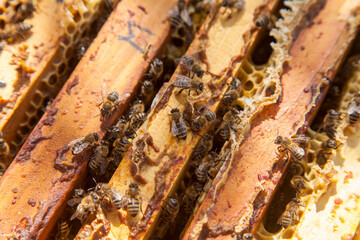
(90, 201)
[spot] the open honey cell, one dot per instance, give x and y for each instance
(176, 119)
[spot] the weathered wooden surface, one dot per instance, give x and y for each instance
(241, 200)
(224, 50)
(36, 186)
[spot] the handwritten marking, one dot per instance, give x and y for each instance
(131, 36)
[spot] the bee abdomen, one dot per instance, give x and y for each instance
(210, 116)
(354, 117)
(133, 207)
(199, 154)
(285, 220)
(23, 27)
(330, 132)
(117, 203)
(182, 132)
(95, 161)
(262, 21)
(225, 132)
(139, 118)
(175, 21)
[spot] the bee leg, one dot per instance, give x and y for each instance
(232, 128)
(180, 91)
(140, 199)
(337, 146)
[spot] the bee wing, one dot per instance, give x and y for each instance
(182, 122)
(300, 138)
(80, 148)
(353, 107)
(186, 17)
(75, 215)
(104, 165)
(182, 81)
(174, 129)
(174, 11)
(72, 202)
(299, 151)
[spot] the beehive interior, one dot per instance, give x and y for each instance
(176, 46)
(324, 179)
(258, 88)
(81, 20)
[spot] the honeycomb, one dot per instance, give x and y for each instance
(259, 75)
(330, 200)
(79, 19)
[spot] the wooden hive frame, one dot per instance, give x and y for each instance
(72, 115)
(245, 191)
(34, 69)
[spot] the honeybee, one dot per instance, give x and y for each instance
(118, 130)
(81, 47)
(63, 230)
(188, 63)
(199, 122)
(184, 82)
(325, 151)
(299, 183)
(178, 126)
(191, 195)
(98, 162)
(147, 91)
(180, 12)
(205, 146)
(286, 144)
(290, 216)
(87, 205)
(109, 104)
(105, 190)
(331, 121)
(265, 21)
(2, 171)
(134, 200)
(354, 109)
(237, 4)
(202, 172)
(23, 11)
(230, 118)
(83, 143)
(230, 97)
(137, 107)
(156, 69)
(121, 145)
(14, 30)
(170, 209)
(4, 148)
(78, 195)
(302, 140)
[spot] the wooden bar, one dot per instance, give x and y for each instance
(224, 51)
(38, 183)
(34, 69)
(241, 199)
